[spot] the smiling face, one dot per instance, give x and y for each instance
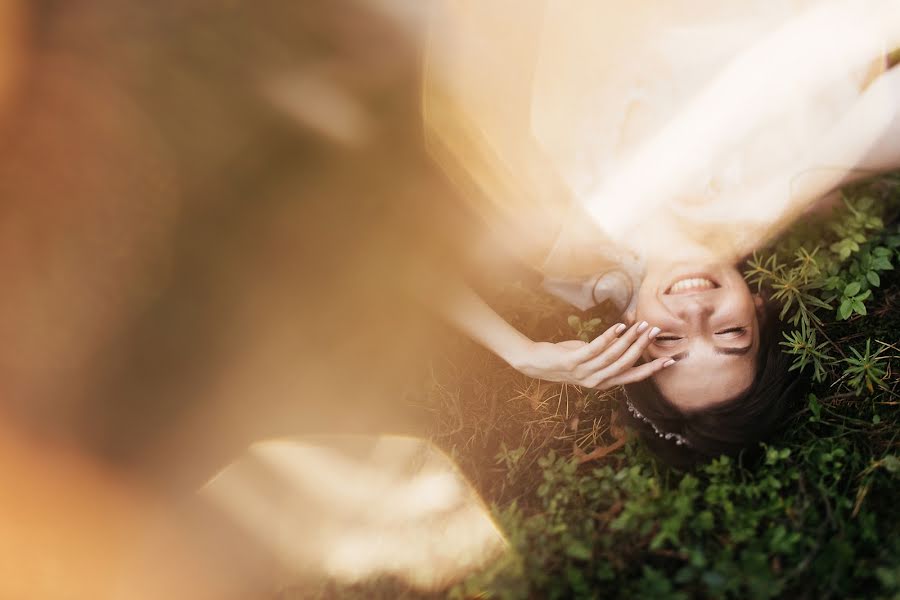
(709, 324)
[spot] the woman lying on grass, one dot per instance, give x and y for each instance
(701, 166)
(700, 360)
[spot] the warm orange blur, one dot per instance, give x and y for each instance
(74, 530)
(213, 222)
(13, 39)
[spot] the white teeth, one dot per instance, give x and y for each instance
(694, 283)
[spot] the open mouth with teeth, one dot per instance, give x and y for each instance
(692, 285)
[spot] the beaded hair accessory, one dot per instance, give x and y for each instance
(679, 439)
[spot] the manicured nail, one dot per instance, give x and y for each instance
(653, 333)
(620, 328)
(643, 326)
(668, 363)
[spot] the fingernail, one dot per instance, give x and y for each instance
(653, 333)
(643, 326)
(620, 328)
(668, 363)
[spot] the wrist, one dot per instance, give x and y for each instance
(517, 353)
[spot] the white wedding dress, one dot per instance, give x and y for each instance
(587, 133)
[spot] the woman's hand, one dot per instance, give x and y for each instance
(605, 362)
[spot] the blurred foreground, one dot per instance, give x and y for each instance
(218, 221)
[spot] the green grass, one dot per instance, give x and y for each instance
(816, 517)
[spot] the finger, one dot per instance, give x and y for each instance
(598, 344)
(639, 373)
(615, 350)
(627, 359)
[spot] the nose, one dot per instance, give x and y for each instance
(692, 308)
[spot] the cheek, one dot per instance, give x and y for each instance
(749, 311)
(739, 305)
(649, 355)
(651, 311)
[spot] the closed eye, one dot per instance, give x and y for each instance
(738, 330)
(667, 338)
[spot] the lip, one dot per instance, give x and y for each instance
(707, 276)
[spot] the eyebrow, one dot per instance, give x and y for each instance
(739, 351)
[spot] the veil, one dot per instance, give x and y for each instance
(584, 130)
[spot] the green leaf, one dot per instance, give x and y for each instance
(859, 308)
(882, 263)
(812, 300)
(579, 550)
(891, 462)
(814, 407)
(845, 309)
(873, 278)
(574, 322)
(852, 289)
(832, 283)
(714, 581)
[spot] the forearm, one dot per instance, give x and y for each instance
(881, 103)
(605, 362)
(864, 143)
(472, 315)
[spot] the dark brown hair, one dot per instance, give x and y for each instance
(729, 428)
